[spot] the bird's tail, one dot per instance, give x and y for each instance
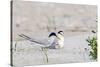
(32, 40)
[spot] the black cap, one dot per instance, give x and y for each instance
(52, 34)
(60, 31)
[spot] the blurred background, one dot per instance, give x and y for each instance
(39, 19)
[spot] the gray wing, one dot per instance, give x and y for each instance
(43, 43)
(52, 46)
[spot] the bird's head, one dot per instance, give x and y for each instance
(61, 32)
(52, 34)
(60, 35)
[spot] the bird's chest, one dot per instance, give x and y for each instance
(60, 42)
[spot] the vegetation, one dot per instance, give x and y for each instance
(45, 53)
(92, 42)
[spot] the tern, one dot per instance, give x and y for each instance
(55, 41)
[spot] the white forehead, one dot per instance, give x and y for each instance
(61, 33)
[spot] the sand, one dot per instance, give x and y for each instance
(75, 50)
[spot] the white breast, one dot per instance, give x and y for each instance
(60, 40)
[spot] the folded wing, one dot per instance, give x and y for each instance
(42, 43)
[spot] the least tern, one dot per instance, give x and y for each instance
(55, 40)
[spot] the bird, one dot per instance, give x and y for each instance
(60, 39)
(54, 41)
